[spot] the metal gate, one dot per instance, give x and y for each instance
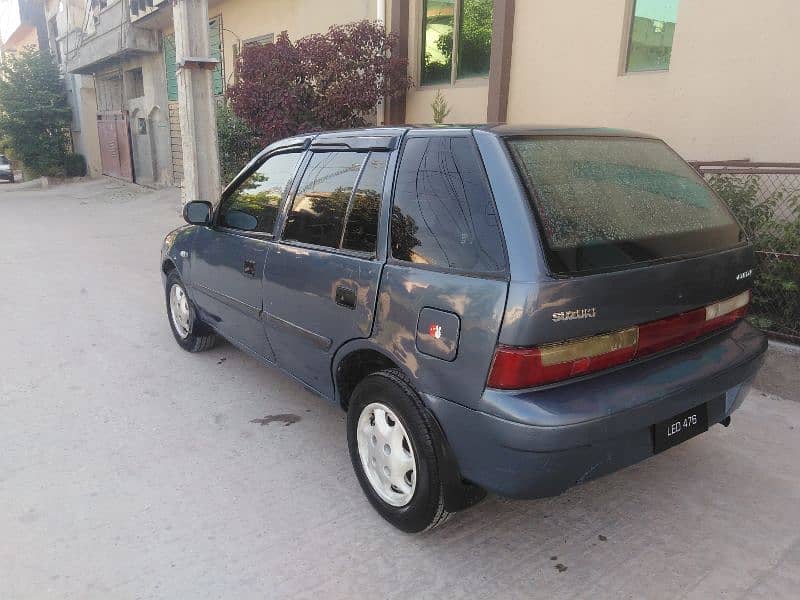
(115, 144)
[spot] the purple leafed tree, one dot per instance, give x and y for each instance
(330, 80)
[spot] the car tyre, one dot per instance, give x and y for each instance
(191, 334)
(380, 403)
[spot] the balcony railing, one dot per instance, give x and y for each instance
(112, 36)
(142, 8)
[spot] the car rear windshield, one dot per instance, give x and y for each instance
(3, 160)
(605, 203)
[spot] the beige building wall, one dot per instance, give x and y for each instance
(732, 90)
(467, 103)
(25, 36)
(30, 38)
(467, 98)
(246, 19)
(87, 139)
(151, 147)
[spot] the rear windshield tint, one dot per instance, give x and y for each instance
(3, 160)
(604, 203)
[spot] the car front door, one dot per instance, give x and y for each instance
(228, 257)
(322, 275)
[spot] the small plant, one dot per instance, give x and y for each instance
(440, 108)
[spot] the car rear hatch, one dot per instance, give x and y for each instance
(644, 258)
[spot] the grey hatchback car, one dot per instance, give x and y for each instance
(509, 309)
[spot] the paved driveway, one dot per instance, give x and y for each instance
(131, 469)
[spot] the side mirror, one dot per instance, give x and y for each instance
(197, 213)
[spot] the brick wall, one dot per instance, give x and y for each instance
(175, 144)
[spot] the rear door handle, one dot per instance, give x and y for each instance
(346, 297)
(249, 268)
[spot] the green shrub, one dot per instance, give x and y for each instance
(34, 112)
(773, 226)
(237, 143)
(75, 165)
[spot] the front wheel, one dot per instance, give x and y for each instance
(393, 451)
(191, 334)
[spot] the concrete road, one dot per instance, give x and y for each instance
(131, 469)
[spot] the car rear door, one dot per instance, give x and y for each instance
(322, 275)
(628, 234)
(444, 286)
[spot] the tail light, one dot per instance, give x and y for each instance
(516, 368)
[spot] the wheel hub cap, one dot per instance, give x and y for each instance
(179, 310)
(386, 454)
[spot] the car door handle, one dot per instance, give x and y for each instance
(346, 297)
(249, 268)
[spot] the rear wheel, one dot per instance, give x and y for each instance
(393, 451)
(191, 334)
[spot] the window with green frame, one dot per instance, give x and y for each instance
(652, 30)
(170, 63)
(456, 40)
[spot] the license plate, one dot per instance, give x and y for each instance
(680, 428)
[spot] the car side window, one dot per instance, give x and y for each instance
(254, 205)
(361, 222)
(323, 199)
(443, 213)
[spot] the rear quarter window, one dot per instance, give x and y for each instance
(443, 213)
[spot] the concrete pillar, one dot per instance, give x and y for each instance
(197, 114)
(500, 65)
(396, 113)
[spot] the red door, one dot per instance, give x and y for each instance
(115, 145)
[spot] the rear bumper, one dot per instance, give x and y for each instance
(537, 443)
